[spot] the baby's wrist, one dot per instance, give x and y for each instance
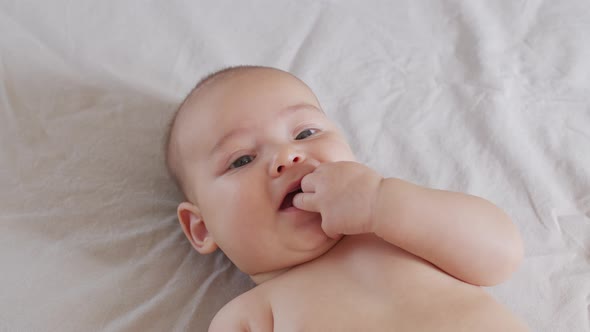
(392, 200)
(376, 206)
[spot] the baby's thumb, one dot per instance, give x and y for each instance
(305, 201)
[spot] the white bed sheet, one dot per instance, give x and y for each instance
(490, 98)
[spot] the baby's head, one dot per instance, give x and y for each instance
(238, 146)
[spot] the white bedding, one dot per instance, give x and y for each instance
(490, 98)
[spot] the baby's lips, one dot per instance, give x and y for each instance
(287, 195)
(288, 200)
(308, 167)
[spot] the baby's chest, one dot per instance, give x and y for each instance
(352, 297)
(375, 289)
(339, 306)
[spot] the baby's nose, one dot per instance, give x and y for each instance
(284, 160)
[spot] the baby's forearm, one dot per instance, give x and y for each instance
(466, 236)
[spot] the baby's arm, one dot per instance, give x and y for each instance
(244, 313)
(228, 319)
(466, 236)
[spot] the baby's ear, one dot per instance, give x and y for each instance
(195, 229)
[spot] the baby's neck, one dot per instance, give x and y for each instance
(266, 276)
(259, 278)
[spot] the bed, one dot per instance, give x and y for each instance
(489, 98)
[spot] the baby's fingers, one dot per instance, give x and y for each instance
(308, 184)
(305, 201)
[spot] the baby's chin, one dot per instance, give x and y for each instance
(313, 252)
(294, 259)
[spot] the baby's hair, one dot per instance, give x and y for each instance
(170, 159)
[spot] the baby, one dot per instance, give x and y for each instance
(331, 244)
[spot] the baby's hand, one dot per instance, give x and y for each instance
(344, 193)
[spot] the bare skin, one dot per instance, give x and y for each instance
(365, 284)
(332, 244)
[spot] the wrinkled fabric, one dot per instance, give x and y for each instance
(489, 98)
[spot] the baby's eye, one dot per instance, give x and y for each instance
(306, 133)
(243, 160)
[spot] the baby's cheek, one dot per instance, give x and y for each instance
(340, 152)
(250, 204)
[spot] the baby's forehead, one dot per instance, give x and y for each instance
(218, 102)
(210, 95)
(243, 93)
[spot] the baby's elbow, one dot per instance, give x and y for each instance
(514, 256)
(515, 251)
(508, 260)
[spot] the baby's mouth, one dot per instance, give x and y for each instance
(288, 200)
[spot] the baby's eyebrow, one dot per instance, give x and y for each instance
(241, 130)
(226, 137)
(297, 107)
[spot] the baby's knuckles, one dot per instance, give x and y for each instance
(351, 191)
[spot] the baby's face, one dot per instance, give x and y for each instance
(249, 141)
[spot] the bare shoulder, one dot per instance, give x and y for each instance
(250, 311)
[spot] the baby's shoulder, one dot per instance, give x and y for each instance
(250, 311)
